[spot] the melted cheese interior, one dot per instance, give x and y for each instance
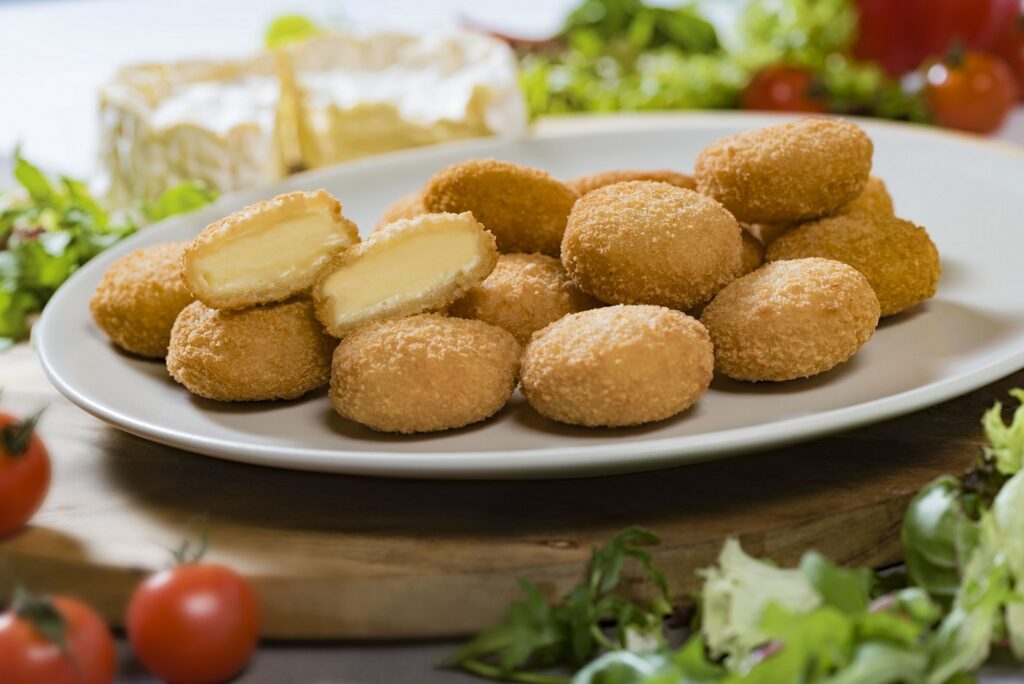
(403, 268)
(290, 250)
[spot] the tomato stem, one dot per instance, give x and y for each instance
(186, 554)
(957, 54)
(16, 437)
(40, 612)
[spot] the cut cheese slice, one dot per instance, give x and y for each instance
(266, 252)
(411, 266)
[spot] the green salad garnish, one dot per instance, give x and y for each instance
(615, 55)
(961, 596)
(50, 227)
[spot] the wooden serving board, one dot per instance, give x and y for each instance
(334, 556)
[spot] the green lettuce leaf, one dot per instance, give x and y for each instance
(290, 28)
(1006, 442)
(938, 538)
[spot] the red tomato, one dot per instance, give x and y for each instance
(972, 93)
(194, 624)
(901, 34)
(784, 89)
(974, 23)
(24, 473)
(29, 657)
(1011, 49)
(883, 35)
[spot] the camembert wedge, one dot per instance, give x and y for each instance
(266, 252)
(411, 266)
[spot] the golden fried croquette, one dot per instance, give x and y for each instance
(139, 297)
(525, 208)
(899, 258)
(523, 294)
(790, 319)
(266, 252)
(411, 266)
(405, 207)
(277, 351)
(790, 172)
(752, 254)
(423, 373)
(616, 366)
(874, 200)
(593, 181)
(644, 242)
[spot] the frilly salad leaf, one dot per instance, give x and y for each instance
(736, 592)
(938, 538)
(1006, 442)
(49, 228)
(537, 633)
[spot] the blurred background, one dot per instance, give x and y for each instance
(867, 57)
(138, 109)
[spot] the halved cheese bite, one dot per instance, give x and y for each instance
(266, 252)
(411, 266)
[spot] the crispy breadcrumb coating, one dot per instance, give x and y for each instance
(525, 208)
(898, 258)
(644, 242)
(523, 294)
(277, 351)
(423, 373)
(874, 200)
(790, 172)
(405, 207)
(139, 297)
(791, 319)
(593, 181)
(617, 366)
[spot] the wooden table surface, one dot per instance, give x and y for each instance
(336, 556)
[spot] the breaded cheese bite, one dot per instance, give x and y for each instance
(617, 366)
(791, 319)
(411, 266)
(423, 373)
(523, 294)
(405, 207)
(644, 242)
(593, 181)
(276, 351)
(139, 297)
(898, 258)
(875, 200)
(267, 252)
(751, 255)
(525, 208)
(786, 173)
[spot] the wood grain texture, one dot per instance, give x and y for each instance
(334, 556)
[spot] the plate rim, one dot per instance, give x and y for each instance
(543, 463)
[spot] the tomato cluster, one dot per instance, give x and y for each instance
(970, 52)
(196, 623)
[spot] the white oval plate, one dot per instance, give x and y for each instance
(969, 193)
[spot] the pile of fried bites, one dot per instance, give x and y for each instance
(587, 293)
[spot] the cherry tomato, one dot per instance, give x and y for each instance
(194, 624)
(24, 472)
(972, 92)
(29, 657)
(784, 89)
(1010, 49)
(901, 34)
